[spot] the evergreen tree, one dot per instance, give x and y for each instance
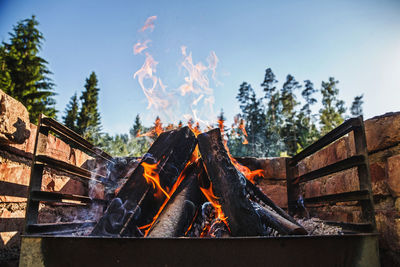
(71, 113)
(332, 112)
(272, 114)
(356, 107)
(289, 113)
(137, 127)
(307, 131)
(89, 118)
(24, 73)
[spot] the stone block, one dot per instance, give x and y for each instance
(394, 175)
(382, 131)
(14, 120)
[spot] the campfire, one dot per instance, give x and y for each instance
(188, 184)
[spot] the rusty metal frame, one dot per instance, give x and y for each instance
(41, 160)
(360, 161)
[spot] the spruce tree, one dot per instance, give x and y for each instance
(25, 73)
(137, 127)
(289, 113)
(356, 107)
(332, 112)
(89, 118)
(71, 113)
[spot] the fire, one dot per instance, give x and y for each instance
(182, 176)
(155, 131)
(151, 175)
(249, 174)
(208, 193)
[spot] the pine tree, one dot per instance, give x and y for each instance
(307, 131)
(356, 107)
(89, 118)
(272, 114)
(71, 113)
(289, 113)
(137, 127)
(332, 112)
(24, 73)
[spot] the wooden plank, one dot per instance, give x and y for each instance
(342, 165)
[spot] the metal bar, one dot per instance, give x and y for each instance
(57, 227)
(59, 197)
(293, 190)
(35, 182)
(340, 197)
(364, 176)
(358, 227)
(333, 135)
(71, 169)
(76, 138)
(342, 165)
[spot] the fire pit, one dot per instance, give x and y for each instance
(187, 189)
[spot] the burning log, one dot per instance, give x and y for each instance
(228, 186)
(273, 220)
(150, 181)
(180, 210)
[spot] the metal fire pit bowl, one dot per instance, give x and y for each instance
(339, 250)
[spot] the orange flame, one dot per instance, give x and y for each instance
(151, 175)
(208, 193)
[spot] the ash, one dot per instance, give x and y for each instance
(315, 226)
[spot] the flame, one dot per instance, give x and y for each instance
(249, 174)
(139, 47)
(208, 193)
(157, 129)
(149, 24)
(171, 192)
(151, 175)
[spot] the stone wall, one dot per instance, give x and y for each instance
(17, 137)
(383, 142)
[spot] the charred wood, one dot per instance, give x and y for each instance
(228, 186)
(170, 152)
(178, 213)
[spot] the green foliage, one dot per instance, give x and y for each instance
(356, 107)
(88, 123)
(332, 112)
(71, 113)
(24, 75)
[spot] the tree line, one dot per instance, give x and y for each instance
(281, 121)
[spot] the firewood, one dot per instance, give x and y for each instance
(272, 219)
(180, 210)
(170, 152)
(228, 186)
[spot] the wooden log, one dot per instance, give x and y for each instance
(181, 208)
(228, 186)
(171, 152)
(272, 219)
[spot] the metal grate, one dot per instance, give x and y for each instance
(41, 160)
(359, 161)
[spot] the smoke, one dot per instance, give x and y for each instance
(192, 99)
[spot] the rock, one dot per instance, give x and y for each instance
(14, 120)
(382, 131)
(394, 175)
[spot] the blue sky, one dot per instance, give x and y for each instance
(357, 42)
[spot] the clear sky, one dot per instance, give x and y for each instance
(357, 42)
